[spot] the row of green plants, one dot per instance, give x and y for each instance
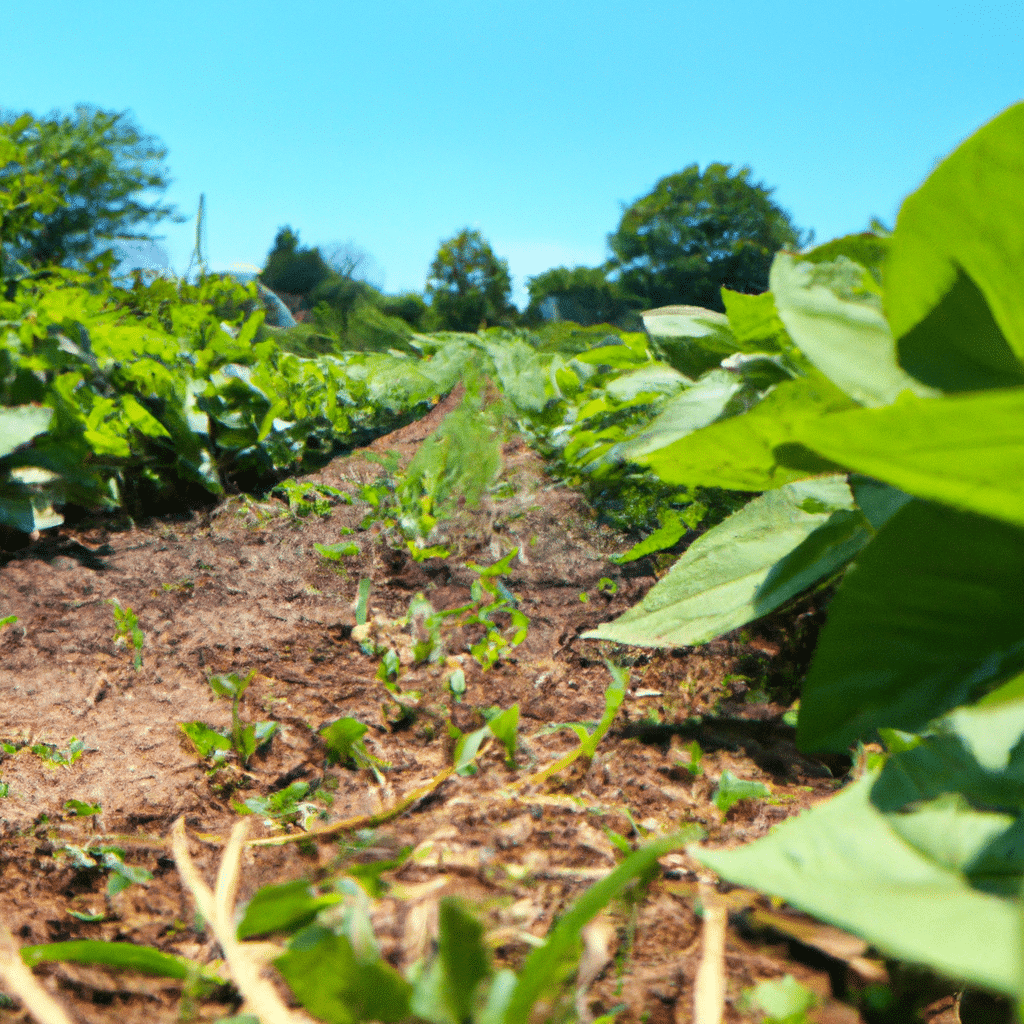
(888, 455)
(873, 404)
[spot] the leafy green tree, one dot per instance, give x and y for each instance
(70, 183)
(408, 306)
(469, 286)
(584, 295)
(292, 269)
(696, 233)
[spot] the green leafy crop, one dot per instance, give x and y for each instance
(890, 460)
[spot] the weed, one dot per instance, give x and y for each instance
(127, 631)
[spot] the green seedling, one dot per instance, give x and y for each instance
(336, 552)
(184, 585)
(306, 499)
(693, 765)
(346, 746)
(731, 790)
(457, 685)
(607, 586)
(334, 966)
(127, 631)
(285, 806)
(244, 738)
(390, 666)
(57, 757)
(105, 858)
(781, 1001)
(80, 809)
(502, 725)
(8, 620)
(492, 598)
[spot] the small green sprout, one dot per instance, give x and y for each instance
(81, 809)
(336, 552)
(732, 789)
(346, 746)
(457, 685)
(285, 806)
(127, 631)
(244, 739)
(310, 499)
(54, 756)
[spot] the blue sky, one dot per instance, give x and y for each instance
(395, 124)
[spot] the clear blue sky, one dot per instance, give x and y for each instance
(395, 124)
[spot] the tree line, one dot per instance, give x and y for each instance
(71, 185)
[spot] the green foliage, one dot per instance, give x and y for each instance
(284, 806)
(346, 746)
(59, 757)
(71, 183)
(335, 969)
(306, 498)
(244, 738)
(583, 295)
(891, 450)
(782, 1001)
(731, 790)
(408, 306)
(127, 631)
(468, 286)
(696, 233)
(292, 269)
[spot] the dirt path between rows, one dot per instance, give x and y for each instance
(241, 588)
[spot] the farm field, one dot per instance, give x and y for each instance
(520, 675)
(241, 588)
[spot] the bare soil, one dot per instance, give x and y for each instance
(240, 587)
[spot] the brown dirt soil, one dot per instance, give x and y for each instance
(241, 588)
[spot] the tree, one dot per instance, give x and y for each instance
(96, 166)
(292, 269)
(583, 295)
(469, 286)
(696, 233)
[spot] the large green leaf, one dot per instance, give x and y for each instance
(693, 339)
(330, 981)
(117, 954)
(845, 862)
(833, 311)
(19, 424)
(754, 322)
(754, 561)
(967, 217)
(654, 378)
(931, 615)
(739, 453)
(696, 407)
(964, 450)
(958, 346)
